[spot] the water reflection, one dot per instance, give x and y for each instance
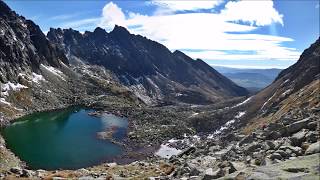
(64, 139)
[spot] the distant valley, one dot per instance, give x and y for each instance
(252, 79)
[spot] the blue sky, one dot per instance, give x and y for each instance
(243, 34)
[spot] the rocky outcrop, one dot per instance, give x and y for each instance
(295, 88)
(23, 46)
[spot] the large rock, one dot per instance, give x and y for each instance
(227, 167)
(16, 170)
(210, 174)
(312, 136)
(296, 150)
(276, 156)
(270, 145)
(313, 148)
(283, 153)
(297, 126)
(312, 125)
(253, 147)
(248, 139)
(298, 137)
(238, 165)
(274, 131)
(187, 152)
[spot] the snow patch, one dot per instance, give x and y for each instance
(194, 114)
(286, 92)
(211, 136)
(55, 71)
(138, 79)
(141, 93)
(3, 101)
(165, 151)
(37, 78)
(230, 122)
(172, 141)
(243, 102)
(264, 104)
(9, 86)
(286, 81)
(240, 114)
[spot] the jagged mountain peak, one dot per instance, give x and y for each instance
(24, 47)
(148, 67)
(4, 8)
(181, 54)
(100, 31)
(119, 30)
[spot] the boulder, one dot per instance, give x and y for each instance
(274, 131)
(16, 170)
(194, 172)
(273, 135)
(283, 153)
(312, 136)
(253, 147)
(194, 169)
(312, 125)
(297, 126)
(275, 156)
(296, 150)
(298, 138)
(227, 167)
(238, 165)
(210, 174)
(313, 148)
(248, 139)
(187, 152)
(270, 145)
(26, 173)
(214, 148)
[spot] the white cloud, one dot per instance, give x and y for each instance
(241, 66)
(167, 7)
(81, 23)
(111, 15)
(210, 35)
(258, 13)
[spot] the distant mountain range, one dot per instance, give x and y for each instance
(252, 79)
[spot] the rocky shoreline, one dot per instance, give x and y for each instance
(201, 155)
(135, 149)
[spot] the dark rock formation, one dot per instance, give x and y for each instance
(23, 46)
(145, 66)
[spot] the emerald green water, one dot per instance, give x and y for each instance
(65, 139)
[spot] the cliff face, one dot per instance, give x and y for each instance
(23, 46)
(145, 66)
